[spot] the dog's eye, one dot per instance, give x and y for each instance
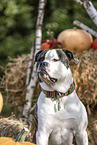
(55, 60)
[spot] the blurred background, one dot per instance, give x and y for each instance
(18, 23)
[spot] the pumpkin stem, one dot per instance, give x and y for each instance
(74, 28)
(22, 135)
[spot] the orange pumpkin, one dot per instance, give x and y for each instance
(18, 141)
(10, 141)
(1, 102)
(75, 40)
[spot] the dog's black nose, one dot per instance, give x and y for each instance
(43, 64)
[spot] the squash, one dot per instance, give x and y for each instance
(45, 45)
(75, 40)
(50, 43)
(1, 102)
(94, 45)
(18, 141)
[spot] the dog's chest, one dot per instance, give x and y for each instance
(63, 108)
(57, 105)
(50, 105)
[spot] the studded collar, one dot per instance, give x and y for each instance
(56, 95)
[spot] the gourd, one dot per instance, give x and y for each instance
(45, 45)
(94, 45)
(50, 43)
(75, 40)
(18, 141)
(1, 102)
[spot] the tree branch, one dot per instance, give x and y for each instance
(81, 25)
(30, 65)
(92, 12)
(32, 84)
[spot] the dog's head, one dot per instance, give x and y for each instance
(53, 64)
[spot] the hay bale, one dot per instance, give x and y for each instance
(10, 127)
(92, 131)
(85, 76)
(14, 80)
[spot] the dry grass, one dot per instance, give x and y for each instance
(85, 76)
(10, 127)
(14, 80)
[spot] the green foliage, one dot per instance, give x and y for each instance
(18, 20)
(16, 26)
(64, 13)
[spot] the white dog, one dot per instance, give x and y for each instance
(61, 115)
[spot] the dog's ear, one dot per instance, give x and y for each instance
(70, 55)
(40, 54)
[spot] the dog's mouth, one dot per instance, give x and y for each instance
(43, 76)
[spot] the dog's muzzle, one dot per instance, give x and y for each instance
(43, 76)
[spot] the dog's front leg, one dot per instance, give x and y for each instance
(42, 138)
(82, 138)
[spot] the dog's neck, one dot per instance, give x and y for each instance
(60, 86)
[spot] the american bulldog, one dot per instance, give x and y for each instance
(61, 115)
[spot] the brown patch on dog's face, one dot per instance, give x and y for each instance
(63, 57)
(52, 65)
(63, 53)
(43, 76)
(40, 56)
